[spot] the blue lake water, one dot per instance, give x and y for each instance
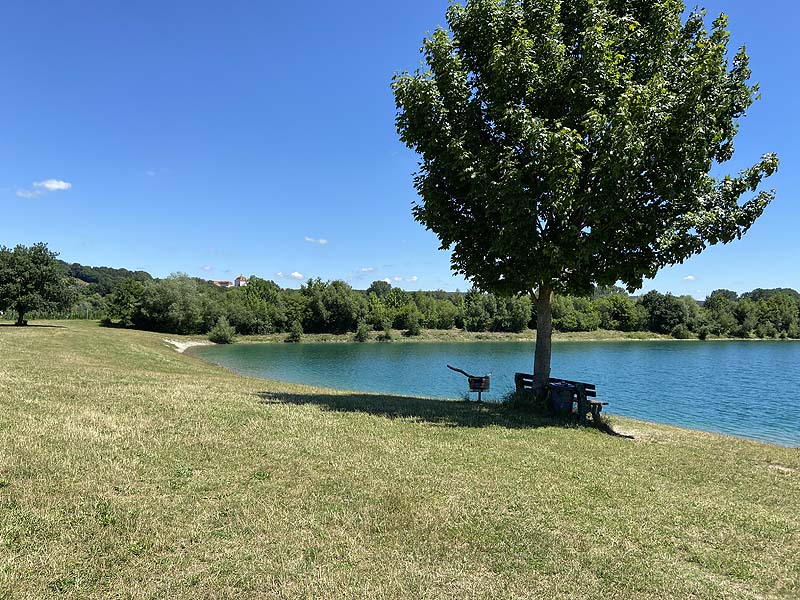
(748, 389)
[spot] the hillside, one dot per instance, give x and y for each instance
(129, 470)
(102, 280)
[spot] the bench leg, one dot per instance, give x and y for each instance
(583, 406)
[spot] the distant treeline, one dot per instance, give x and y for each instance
(101, 280)
(182, 304)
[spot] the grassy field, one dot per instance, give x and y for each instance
(128, 470)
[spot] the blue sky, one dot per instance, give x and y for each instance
(258, 138)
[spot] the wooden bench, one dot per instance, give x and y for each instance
(584, 394)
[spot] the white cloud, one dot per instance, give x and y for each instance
(387, 280)
(412, 279)
(398, 279)
(367, 269)
(43, 187)
(293, 275)
(311, 240)
(207, 268)
(53, 185)
(690, 278)
(159, 171)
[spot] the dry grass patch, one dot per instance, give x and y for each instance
(129, 470)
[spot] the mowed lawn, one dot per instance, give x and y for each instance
(128, 470)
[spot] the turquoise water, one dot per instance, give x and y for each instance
(747, 389)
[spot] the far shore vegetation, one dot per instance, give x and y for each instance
(456, 335)
(323, 311)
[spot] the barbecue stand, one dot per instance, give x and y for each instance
(476, 384)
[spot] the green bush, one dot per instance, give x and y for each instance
(384, 325)
(619, 312)
(444, 315)
(681, 332)
(766, 330)
(666, 311)
(519, 313)
(406, 316)
(413, 326)
(295, 332)
(479, 309)
(385, 335)
(332, 307)
(362, 332)
(223, 332)
(525, 401)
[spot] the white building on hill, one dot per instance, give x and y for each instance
(240, 281)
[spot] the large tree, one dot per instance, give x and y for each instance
(566, 143)
(31, 279)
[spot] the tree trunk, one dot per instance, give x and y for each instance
(20, 321)
(544, 333)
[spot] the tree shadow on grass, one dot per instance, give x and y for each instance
(449, 413)
(605, 427)
(445, 413)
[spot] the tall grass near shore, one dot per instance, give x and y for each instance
(129, 470)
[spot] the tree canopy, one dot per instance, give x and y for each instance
(571, 143)
(31, 279)
(102, 279)
(183, 304)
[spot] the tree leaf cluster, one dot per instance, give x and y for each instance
(568, 144)
(31, 279)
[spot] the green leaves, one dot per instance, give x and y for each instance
(570, 143)
(31, 279)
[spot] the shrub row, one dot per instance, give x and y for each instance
(181, 304)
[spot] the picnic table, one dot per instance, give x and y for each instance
(569, 396)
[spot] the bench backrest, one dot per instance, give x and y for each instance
(524, 382)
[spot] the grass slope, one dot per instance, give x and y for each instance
(128, 470)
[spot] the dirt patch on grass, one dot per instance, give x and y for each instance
(183, 345)
(782, 469)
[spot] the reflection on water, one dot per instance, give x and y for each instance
(739, 388)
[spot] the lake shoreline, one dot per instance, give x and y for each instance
(628, 422)
(623, 373)
(617, 419)
(460, 336)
